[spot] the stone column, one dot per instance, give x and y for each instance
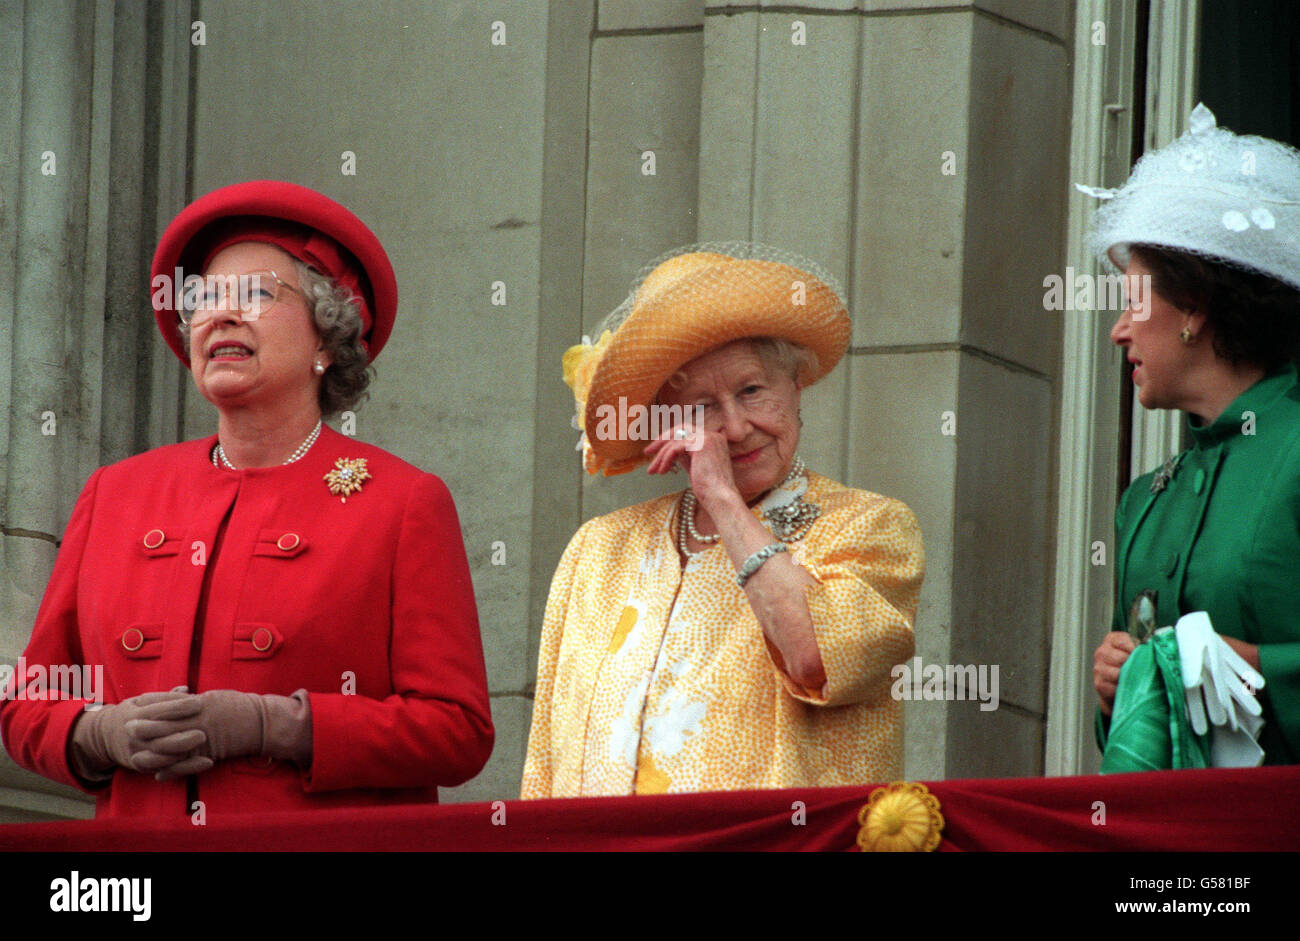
(96, 99)
(919, 151)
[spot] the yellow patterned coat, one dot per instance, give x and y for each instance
(652, 678)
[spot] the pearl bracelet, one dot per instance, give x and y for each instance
(755, 561)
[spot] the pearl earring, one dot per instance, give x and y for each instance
(319, 368)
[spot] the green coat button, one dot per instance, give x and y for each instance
(1198, 482)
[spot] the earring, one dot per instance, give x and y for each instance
(1187, 336)
(319, 368)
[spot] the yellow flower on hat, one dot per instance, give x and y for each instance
(579, 365)
(901, 818)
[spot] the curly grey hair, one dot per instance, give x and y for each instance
(336, 313)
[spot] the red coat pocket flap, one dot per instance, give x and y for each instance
(141, 641)
(280, 543)
(255, 641)
(160, 541)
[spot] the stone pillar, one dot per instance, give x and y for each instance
(92, 88)
(642, 175)
(919, 151)
(433, 135)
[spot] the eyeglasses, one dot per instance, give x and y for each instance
(252, 294)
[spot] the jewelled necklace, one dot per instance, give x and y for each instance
(788, 522)
(219, 458)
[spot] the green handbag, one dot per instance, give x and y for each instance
(1149, 728)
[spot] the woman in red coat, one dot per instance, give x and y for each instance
(283, 615)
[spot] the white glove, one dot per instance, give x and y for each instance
(1216, 680)
(1237, 749)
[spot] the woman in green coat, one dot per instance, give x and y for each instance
(1207, 231)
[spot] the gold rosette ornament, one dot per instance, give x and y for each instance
(901, 818)
(347, 477)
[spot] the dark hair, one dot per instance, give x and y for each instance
(1254, 318)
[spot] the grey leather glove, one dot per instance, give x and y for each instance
(239, 725)
(146, 733)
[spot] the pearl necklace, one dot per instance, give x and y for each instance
(219, 453)
(686, 521)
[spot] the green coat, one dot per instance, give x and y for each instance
(1223, 536)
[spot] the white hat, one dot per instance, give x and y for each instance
(1225, 196)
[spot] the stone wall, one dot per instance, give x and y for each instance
(547, 150)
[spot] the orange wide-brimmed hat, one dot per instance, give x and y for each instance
(310, 226)
(684, 305)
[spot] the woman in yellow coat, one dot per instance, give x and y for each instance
(739, 634)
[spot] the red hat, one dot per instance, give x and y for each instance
(312, 228)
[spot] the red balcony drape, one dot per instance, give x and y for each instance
(1217, 809)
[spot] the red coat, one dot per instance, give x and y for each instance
(302, 590)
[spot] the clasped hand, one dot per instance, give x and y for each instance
(1219, 683)
(170, 734)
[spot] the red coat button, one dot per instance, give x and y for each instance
(288, 542)
(133, 639)
(262, 639)
(154, 538)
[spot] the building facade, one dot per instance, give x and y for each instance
(520, 161)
